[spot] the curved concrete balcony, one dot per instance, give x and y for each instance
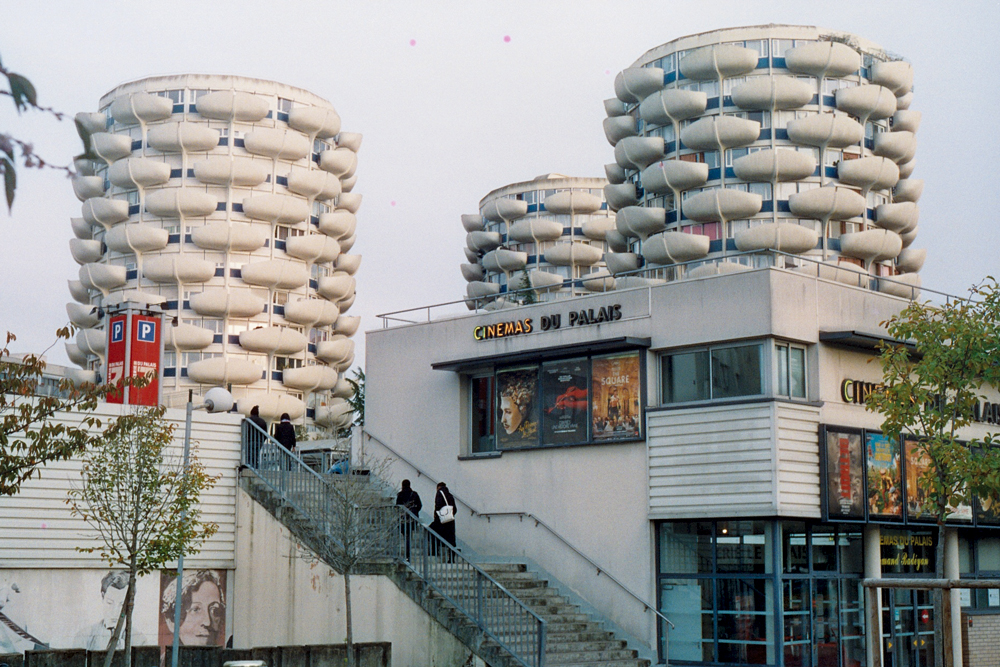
(79, 291)
(721, 204)
(111, 147)
(906, 285)
(576, 253)
(570, 202)
(83, 316)
(319, 121)
(483, 241)
(314, 184)
(136, 108)
(347, 325)
(92, 341)
(675, 247)
(713, 133)
(81, 228)
(473, 222)
(634, 84)
(537, 280)
(775, 165)
(900, 147)
(348, 243)
(617, 128)
(826, 130)
(906, 169)
(617, 242)
(504, 209)
(347, 184)
(672, 105)
(313, 248)
(277, 144)
(614, 107)
(899, 218)
(780, 236)
(139, 172)
(867, 102)
(310, 378)
(823, 59)
(621, 262)
(75, 354)
(80, 377)
(718, 61)
(903, 102)
(105, 212)
(312, 312)
(338, 224)
(182, 137)
(223, 371)
(342, 389)
(472, 272)
(336, 350)
(84, 166)
(102, 277)
(896, 76)
(187, 337)
(351, 140)
(599, 281)
(239, 172)
(471, 255)
(346, 303)
(479, 289)
(232, 105)
(827, 203)
(908, 189)
(502, 260)
(349, 201)
(348, 263)
(716, 269)
(178, 268)
(769, 93)
(92, 122)
(337, 415)
(615, 174)
(640, 221)
(271, 406)
(621, 195)
(529, 230)
(849, 274)
(85, 187)
(669, 175)
(136, 238)
(906, 120)
(180, 202)
(275, 274)
(86, 251)
(338, 286)
(869, 173)
(218, 302)
(340, 162)
(638, 152)
(871, 245)
(276, 209)
(234, 237)
(596, 229)
(911, 260)
(909, 237)
(634, 282)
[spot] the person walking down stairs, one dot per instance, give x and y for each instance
(445, 510)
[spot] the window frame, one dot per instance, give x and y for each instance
(663, 355)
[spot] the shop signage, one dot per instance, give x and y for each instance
(906, 552)
(575, 318)
(858, 392)
(503, 329)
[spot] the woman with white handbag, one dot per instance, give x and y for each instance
(443, 524)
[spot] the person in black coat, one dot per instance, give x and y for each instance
(255, 438)
(284, 433)
(409, 499)
(446, 530)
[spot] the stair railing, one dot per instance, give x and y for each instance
(403, 539)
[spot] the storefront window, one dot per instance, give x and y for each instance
(740, 546)
(686, 547)
(483, 415)
(745, 624)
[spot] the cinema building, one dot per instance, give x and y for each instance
(694, 440)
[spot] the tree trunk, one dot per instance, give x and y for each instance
(113, 642)
(129, 605)
(350, 626)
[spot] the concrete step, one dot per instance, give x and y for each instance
(583, 646)
(576, 657)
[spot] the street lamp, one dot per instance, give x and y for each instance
(216, 399)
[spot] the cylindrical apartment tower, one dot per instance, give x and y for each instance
(790, 138)
(228, 201)
(546, 234)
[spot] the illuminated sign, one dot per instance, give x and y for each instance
(857, 391)
(575, 318)
(502, 329)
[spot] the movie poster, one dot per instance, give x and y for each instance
(517, 410)
(564, 401)
(918, 506)
(884, 479)
(203, 608)
(987, 510)
(616, 392)
(844, 476)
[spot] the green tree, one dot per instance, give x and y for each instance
(357, 399)
(141, 502)
(932, 386)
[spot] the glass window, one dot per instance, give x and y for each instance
(686, 548)
(724, 372)
(791, 361)
(685, 377)
(736, 371)
(284, 105)
(743, 620)
(740, 546)
(483, 414)
(794, 548)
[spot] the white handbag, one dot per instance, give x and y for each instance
(447, 513)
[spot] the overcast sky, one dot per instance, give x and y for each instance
(455, 99)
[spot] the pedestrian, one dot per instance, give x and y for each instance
(409, 499)
(445, 510)
(256, 435)
(284, 433)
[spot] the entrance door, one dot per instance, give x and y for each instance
(907, 628)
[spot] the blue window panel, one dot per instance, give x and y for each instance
(313, 283)
(714, 174)
(175, 173)
(278, 310)
(316, 158)
(190, 173)
(870, 144)
(267, 243)
(680, 77)
(762, 63)
(778, 62)
(281, 180)
(234, 339)
(314, 219)
(133, 209)
(604, 206)
(670, 146)
(270, 114)
(236, 273)
(192, 108)
(833, 244)
(221, 206)
(727, 101)
(871, 213)
(187, 238)
(170, 305)
(173, 238)
(131, 275)
(237, 208)
(279, 245)
(781, 134)
(532, 208)
(223, 141)
(137, 145)
(765, 134)
(671, 216)
(730, 172)
(275, 375)
(220, 272)
(814, 99)
(238, 143)
(783, 206)
(184, 372)
(533, 259)
(310, 413)
(866, 73)
(187, 305)
(713, 103)
(816, 171)
(831, 172)
(830, 100)
(178, 108)
(282, 116)
(541, 207)
(715, 246)
(767, 206)
(312, 347)
(217, 338)
(669, 77)
(169, 372)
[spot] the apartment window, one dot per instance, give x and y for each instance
(791, 361)
(176, 96)
(714, 373)
(132, 197)
(281, 363)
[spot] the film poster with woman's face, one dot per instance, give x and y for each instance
(615, 396)
(517, 408)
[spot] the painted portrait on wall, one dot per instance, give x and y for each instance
(615, 397)
(564, 401)
(97, 635)
(517, 409)
(203, 608)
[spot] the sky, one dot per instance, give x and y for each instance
(455, 99)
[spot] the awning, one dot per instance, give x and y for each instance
(862, 341)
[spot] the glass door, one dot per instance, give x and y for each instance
(907, 628)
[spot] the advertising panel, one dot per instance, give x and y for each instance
(116, 355)
(918, 505)
(616, 392)
(517, 409)
(145, 359)
(884, 478)
(564, 401)
(845, 496)
(203, 608)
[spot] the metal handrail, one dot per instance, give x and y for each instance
(498, 614)
(538, 522)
